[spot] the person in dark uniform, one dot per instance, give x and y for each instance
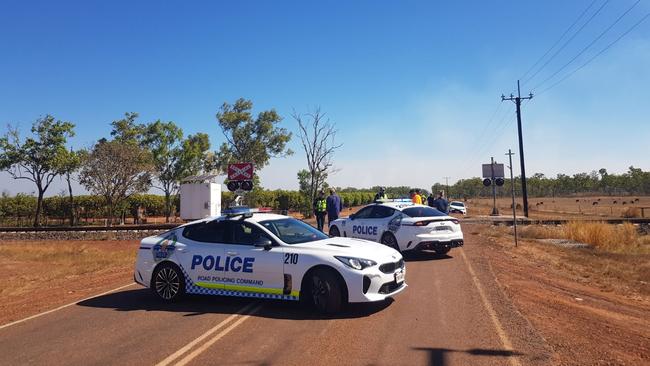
(334, 206)
(441, 204)
(381, 195)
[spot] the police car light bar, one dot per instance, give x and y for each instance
(244, 211)
(393, 200)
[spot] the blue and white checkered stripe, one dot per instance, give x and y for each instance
(191, 288)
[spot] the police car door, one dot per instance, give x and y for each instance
(251, 269)
(361, 224)
(378, 221)
(201, 254)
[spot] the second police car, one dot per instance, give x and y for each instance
(402, 225)
(265, 255)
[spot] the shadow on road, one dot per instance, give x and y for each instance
(425, 255)
(438, 356)
(144, 300)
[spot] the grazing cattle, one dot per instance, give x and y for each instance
(595, 203)
(614, 202)
(577, 200)
(599, 200)
(623, 203)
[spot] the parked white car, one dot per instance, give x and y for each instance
(457, 207)
(402, 225)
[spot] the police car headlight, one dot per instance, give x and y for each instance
(356, 263)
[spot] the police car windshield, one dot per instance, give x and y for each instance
(292, 231)
(454, 203)
(422, 211)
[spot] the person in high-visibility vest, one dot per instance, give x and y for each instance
(320, 209)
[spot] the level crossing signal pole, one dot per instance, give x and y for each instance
(517, 100)
(512, 188)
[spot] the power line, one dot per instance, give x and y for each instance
(558, 40)
(596, 55)
(567, 42)
(485, 143)
(589, 45)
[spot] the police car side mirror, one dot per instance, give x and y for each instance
(265, 243)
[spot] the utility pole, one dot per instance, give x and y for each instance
(512, 188)
(517, 100)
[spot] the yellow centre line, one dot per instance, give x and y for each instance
(173, 357)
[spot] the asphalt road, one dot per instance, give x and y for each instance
(451, 314)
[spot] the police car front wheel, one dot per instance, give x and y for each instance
(334, 231)
(326, 292)
(168, 282)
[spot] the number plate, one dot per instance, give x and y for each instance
(399, 276)
(442, 228)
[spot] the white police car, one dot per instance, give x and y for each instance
(402, 225)
(264, 255)
(457, 207)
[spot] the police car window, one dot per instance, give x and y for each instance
(422, 211)
(381, 212)
(292, 231)
(364, 213)
(206, 232)
(244, 233)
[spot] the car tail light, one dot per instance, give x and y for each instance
(421, 223)
(455, 221)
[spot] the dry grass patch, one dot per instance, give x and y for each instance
(622, 238)
(540, 232)
(32, 265)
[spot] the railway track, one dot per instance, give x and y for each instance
(120, 228)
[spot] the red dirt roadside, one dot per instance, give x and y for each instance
(587, 305)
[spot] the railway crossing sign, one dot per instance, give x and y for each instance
(240, 171)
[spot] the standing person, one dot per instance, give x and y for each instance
(320, 209)
(334, 206)
(441, 204)
(431, 200)
(381, 195)
(415, 197)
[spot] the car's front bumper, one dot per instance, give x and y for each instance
(372, 284)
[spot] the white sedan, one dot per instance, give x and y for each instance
(402, 225)
(457, 207)
(265, 255)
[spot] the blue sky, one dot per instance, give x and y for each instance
(411, 85)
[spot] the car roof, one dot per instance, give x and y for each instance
(456, 202)
(256, 217)
(399, 205)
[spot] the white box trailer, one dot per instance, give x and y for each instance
(200, 197)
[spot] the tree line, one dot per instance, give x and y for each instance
(137, 156)
(633, 182)
(14, 210)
